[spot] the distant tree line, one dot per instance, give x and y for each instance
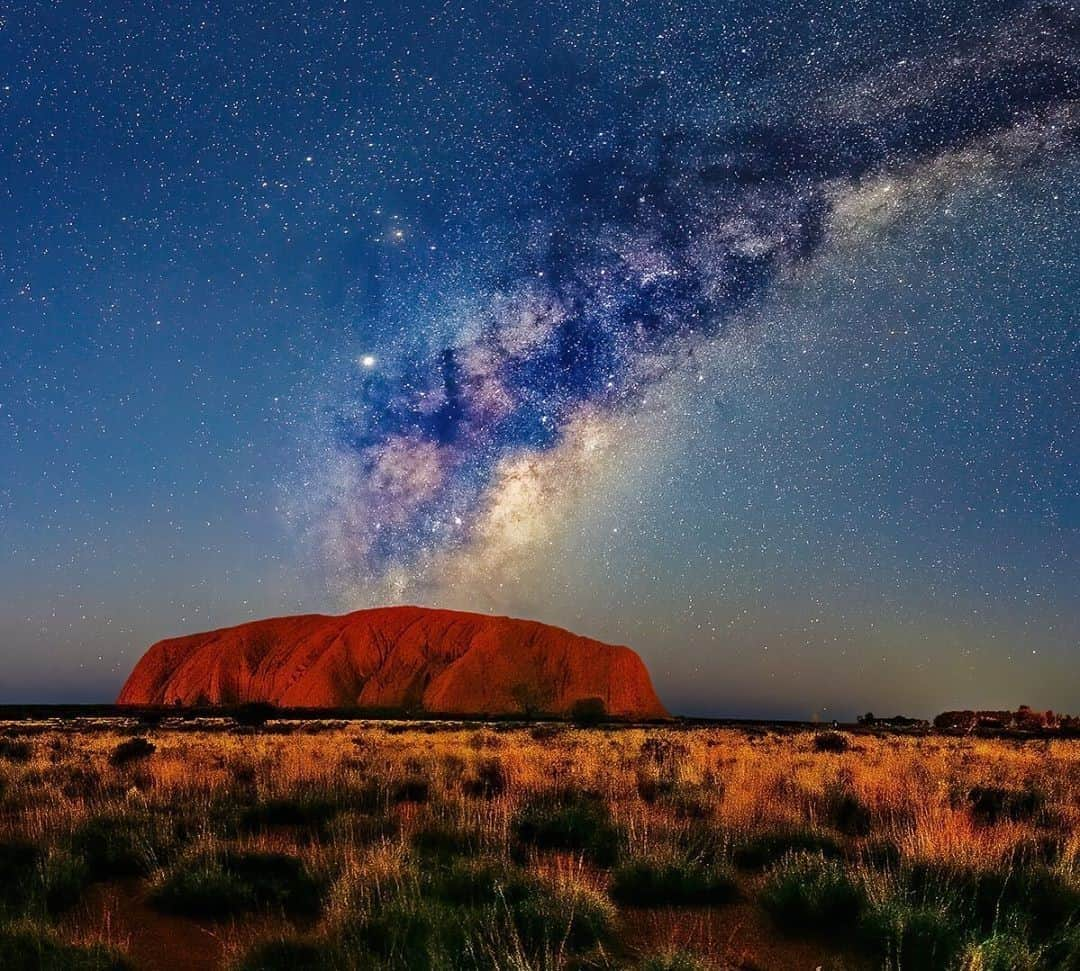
(870, 720)
(1024, 719)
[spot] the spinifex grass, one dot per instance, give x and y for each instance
(376, 845)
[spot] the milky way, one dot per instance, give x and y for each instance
(744, 334)
(448, 458)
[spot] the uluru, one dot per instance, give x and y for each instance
(409, 658)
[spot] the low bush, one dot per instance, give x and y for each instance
(651, 881)
(846, 811)
(15, 750)
(307, 811)
(411, 933)
(361, 829)
(237, 883)
(36, 883)
(569, 820)
(1062, 951)
(882, 854)
(477, 882)
(410, 790)
(488, 781)
(904, 936)
(132, 750)
(367, 798)
(291, 955)
(1006, 952)
(26, 947)
(810, 892)
(831, 742)
(81, 782)
(118, 846)
(760, 851)
(19, 877)
(1035, 900)
(443, 840)
(64, 877)
(475, 913)
(663, 753)
(202, 889)
(992, 804)
(652, 788)
(570, 915)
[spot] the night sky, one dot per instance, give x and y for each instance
(745, 334)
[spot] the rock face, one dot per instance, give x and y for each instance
(395, 657)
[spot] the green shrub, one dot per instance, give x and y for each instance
(905, 936)
(846, 811)
(32, 882)
(65, 878)
(413, 933)
(367, 798)
(831, 742)
(19, 877)
(202, 889)
(488, 781)
(569, 820)
(476, 882)
(992, 804)
(1034, 899)
(471, 909)
(118, 846)
(15, 750)
(311, 812)
(133, 750)
(360, 829)
(883, 854)
(1003, 952)
(290, 955)
(1062, 951)
(238, 883)
(538, 914)
(441, 839)
(572, 916)
(758, 852)
(410, 790)
(651, 881)
(810, 892)
(25, 947)
(652, 788)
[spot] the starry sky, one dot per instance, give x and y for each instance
(746, 334)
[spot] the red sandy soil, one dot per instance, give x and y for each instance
(736, 936)
(119, 914)
(442, 661)
(733, 937)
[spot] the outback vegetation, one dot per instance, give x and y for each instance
(341, 845)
